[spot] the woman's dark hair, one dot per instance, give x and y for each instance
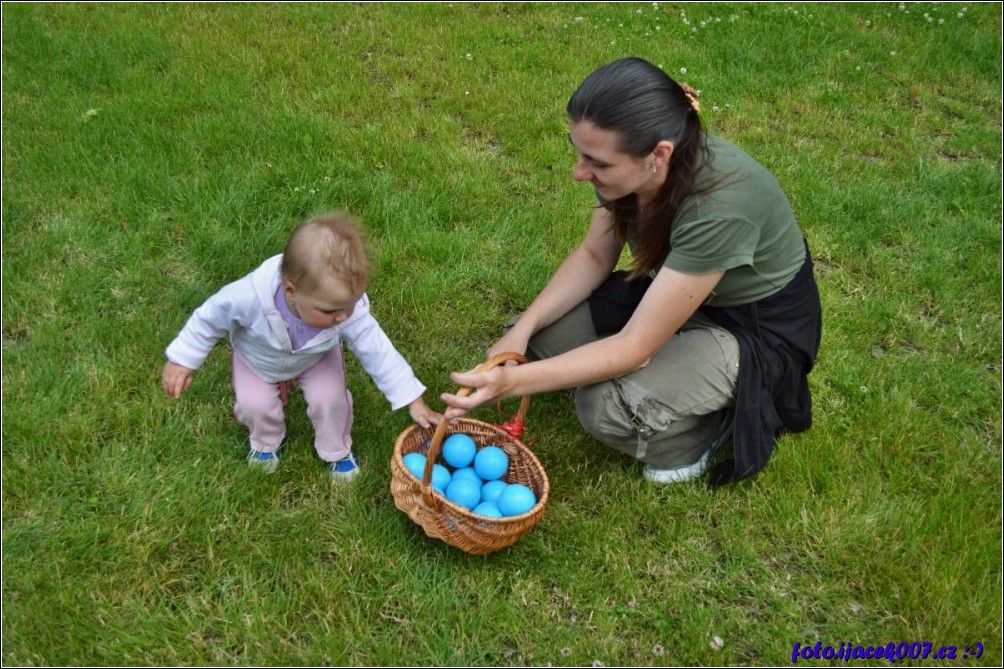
(645, 106)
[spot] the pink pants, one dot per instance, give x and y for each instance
(259, 406)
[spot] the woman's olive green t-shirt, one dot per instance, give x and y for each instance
(744, 225)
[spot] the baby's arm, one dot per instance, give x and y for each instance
(176, 379)
(422, 414)
(222, 313)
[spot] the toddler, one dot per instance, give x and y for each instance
(286, 320)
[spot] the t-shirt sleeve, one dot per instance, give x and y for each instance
(712, 245)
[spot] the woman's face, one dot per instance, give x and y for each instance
(612, 172)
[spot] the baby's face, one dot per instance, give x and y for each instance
(331, 303)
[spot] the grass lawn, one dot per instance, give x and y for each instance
(154, 152)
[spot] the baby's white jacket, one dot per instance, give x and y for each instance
(245, 309)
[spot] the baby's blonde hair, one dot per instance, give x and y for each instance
(327, 245)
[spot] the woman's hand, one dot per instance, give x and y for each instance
(489, 386)
(514, 340)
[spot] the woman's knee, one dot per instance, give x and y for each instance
(602, 413)
(571, 331)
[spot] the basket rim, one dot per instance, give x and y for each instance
(397, 459)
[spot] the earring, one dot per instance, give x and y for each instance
(655, 167)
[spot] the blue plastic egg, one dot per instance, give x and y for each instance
(516, 499)
(464, 492)
(491, 490)
(488, 509)
(459, 450)
(441, 477)
(491, 463)
(415, 463)
(467, 473)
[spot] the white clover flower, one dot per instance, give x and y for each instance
(683, 70)
(469, 57)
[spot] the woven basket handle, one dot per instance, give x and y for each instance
(440, 434)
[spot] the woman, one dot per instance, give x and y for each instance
(711, 335)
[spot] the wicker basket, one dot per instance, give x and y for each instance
(457, 525)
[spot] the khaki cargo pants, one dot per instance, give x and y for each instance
(665, 414)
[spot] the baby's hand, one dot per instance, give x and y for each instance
(422, 414)
(176, 379)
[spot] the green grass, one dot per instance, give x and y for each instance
(152, 153)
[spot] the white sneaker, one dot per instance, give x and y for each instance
(344, 470)
(678, 474)
(266, 462)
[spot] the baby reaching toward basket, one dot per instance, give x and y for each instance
(286, 320)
